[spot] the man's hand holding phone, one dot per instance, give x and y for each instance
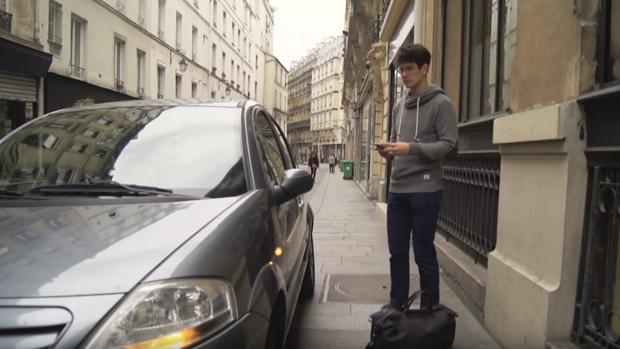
(388, 150)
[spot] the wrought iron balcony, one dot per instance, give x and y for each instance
(5, 21)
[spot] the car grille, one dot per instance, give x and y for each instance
(31, 327)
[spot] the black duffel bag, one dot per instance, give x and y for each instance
(431, 328)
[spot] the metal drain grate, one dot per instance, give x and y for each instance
(360, 289)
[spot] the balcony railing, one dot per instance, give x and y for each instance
(77, 71)
(5, 21)
(470, 180)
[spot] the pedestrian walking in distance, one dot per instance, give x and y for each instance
(313, 164)
(424, 131)
(331, 160)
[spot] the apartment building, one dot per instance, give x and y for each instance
(327, 117)
(299, 106)
(529, 221)
(275, 99)
(105, 50)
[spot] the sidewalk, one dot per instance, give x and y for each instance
(352, 280)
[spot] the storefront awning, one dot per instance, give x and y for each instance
(405, 25)
(24, 60)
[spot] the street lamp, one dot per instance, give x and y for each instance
(183, 62)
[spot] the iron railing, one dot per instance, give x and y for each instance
(597, 322)
(5, 21)
(470, 202)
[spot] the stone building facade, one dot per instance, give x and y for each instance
(105, 50)
(531, 199)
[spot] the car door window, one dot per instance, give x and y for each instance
(272, 158)
(286, 154)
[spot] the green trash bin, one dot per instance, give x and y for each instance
(347, 169)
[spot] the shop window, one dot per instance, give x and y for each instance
(482, 89)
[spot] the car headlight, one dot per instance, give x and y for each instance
(170, 314)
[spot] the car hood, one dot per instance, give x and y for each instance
(93, 249)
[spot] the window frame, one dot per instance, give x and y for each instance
(77, 59)
(268, 168)
(120, 48)
(141, 72)
(54, 34)
(486, 60)
(604, 75)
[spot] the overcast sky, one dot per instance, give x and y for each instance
(301, 24)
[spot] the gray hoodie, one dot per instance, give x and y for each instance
(429, 126)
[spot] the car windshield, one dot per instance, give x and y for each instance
(195, 150)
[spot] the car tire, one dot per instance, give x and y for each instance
(307, 286)
(272, 338)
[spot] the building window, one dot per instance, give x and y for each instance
(161, 80)
(141, 12)
(483, 81)
(178, 85)
(238, 39)
(232, 70)
(213, 57)
(119, 63)
(608, 47)
(161, 18)
(3, 5)
(224, 23)
(223, 65)
(214, 13)
(194, 42)
(55, 23)
(141, 72)
(194, 89)
(233, 27)
(78, 34)
(179, 30)
(120, 5)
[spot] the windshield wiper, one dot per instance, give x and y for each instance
(14, 195)
(101, 189)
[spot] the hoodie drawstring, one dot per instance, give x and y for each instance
(417, 119)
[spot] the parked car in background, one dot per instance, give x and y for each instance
(152, 224)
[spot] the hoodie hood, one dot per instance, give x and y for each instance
(412, 101)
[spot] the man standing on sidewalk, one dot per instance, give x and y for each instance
(331, 160)
(424, 131)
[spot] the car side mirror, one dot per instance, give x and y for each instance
(295, 183)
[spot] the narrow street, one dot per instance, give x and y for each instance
(353, 273)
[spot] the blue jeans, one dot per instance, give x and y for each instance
(417, 213)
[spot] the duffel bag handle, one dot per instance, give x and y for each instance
(412, 299)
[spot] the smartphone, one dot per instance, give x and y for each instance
(379, 146)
